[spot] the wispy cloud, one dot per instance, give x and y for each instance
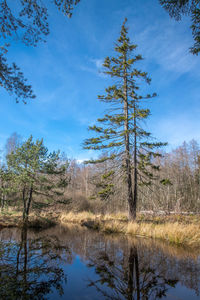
(98, 63)
(94, 66)
(166, 44)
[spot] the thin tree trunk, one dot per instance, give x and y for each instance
(2, 201)
(3, 198)
(86, 182)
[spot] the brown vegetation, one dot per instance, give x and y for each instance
(180, 230)
(175, 229)
(14, 219)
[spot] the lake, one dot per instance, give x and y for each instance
(76, 263)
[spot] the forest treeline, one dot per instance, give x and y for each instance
(53, 181)
(89, 189)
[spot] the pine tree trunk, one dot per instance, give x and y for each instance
(130, 274)
(24, 202)
(132, 212)
(29, 202)
(25, 262)
(133, 281)
(137, 273)
(135, 166)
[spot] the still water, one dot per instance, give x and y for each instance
(75, 263)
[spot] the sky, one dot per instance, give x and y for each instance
(65, 73)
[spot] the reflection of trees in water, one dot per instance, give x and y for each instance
(128, 278)
(157, 261)
(30, 268)
(125, 268)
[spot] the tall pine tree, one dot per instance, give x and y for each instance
(120, 132)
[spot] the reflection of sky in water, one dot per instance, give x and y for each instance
(181, 293)
(76, 287)
(95, 266)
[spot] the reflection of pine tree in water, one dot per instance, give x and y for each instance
(163, 259)
(133, 266)
(32, 266)
(30, 269)
(127, 278)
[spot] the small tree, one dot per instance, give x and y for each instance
(120, 132)
(36, 172)
(12, 142)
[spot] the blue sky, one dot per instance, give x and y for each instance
(65, 75)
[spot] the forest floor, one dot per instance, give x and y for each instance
(176, 229)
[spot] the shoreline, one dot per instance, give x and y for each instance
(179, 230)
(8, 220)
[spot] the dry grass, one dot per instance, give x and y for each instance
(88, 216)
(173, 218)
(181, 232)
(113, 226)
(11, 218)
(176, 229)
(77, 218)
(175, 233)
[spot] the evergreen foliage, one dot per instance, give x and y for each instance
(105, 186)
(35, 171)
(120, 132)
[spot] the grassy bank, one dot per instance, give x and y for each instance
(176, 229)
(14, 219)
